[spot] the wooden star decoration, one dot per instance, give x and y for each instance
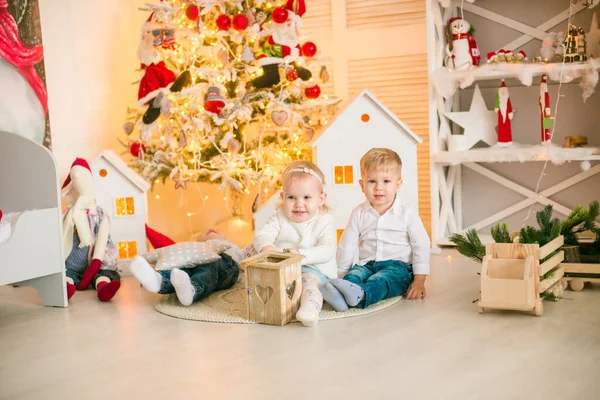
(180, 181)
(479, 123)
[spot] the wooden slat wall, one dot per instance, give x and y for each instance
(401, 84)
(373, 14)
(363, 39)
(318, 14)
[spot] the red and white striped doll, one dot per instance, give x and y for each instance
(545, 112)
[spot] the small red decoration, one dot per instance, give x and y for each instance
(280, 15)
(312, 92)
(192, 12)
(291, 75)
(240, 22)
(223, 22)
(135, 148)
(309, 49)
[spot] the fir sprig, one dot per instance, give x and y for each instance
(500, 233)
(469, 245)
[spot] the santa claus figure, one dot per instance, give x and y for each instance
(24, 103)
(156, 74)
(544, 103)
(505, 115)
(283, 43)
(464, 53)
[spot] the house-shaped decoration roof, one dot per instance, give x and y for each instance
(367, 94)
(112, 158)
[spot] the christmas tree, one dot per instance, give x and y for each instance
(229, 93)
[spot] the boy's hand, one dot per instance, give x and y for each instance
(269, 248)
(293, 251)
(417, 289)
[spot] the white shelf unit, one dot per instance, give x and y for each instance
(446, 179)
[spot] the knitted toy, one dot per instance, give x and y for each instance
(91, 255)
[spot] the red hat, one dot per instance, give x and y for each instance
(451, 20)
(501, 51)
(82, 163)
(503, 84)
(544, 78)
(298, 7)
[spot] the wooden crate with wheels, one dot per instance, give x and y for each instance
(578, 274)
(512, 277)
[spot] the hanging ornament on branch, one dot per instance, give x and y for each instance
(279, 117)
(213, 101)
(223, 22)
(312, 92)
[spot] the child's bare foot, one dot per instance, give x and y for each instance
(333, 297)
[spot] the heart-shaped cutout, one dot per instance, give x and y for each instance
(290, 289)
(264, 293)
(279, 117)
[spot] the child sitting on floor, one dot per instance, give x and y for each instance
(303, 226)
(391, 240)
(197, 282)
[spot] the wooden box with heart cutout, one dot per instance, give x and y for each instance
(274, 285)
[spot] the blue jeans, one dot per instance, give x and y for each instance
(207, 278)
(381, 280)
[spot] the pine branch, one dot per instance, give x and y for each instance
(500, 233)
(470, 245)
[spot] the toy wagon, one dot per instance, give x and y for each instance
(513, 279)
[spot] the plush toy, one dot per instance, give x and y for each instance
(284, 43)
(465, 53)
(191, 270)
(91, 255)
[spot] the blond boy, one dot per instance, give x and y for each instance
(393, 245)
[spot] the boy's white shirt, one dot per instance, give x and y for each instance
(314, 239)
(398, 234)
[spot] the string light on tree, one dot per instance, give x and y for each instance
(215, 73)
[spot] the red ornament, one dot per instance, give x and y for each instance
(192, 12)
(240, 22)
(223, 22)
(292, 75)
(280, 15)
(309, 49)
(312, 92)
(135, 148)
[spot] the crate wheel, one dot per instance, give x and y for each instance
(576, 284)
(539, 309)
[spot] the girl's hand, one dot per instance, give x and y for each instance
(294, 251)
(268, 249)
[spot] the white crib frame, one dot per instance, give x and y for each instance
(33, 256)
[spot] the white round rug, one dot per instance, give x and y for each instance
(229, 306)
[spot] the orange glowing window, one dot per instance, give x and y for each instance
(103, 173)
(127, 250)
(339, 234)
(124, 206)
(343, 175)
(365, 118)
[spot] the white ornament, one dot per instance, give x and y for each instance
(478, 122)
(585, 165)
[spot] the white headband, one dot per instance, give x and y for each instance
(306, 171)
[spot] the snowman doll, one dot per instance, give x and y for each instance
(464, 53)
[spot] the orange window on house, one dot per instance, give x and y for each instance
(124, 206)
(344, 174)
(127, 250)
(339, 234)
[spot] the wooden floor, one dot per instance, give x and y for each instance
(439, 348)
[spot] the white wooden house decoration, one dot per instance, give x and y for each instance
(365, 123)
(122, 194)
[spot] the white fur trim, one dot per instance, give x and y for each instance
(269, 61)
(142, 102)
